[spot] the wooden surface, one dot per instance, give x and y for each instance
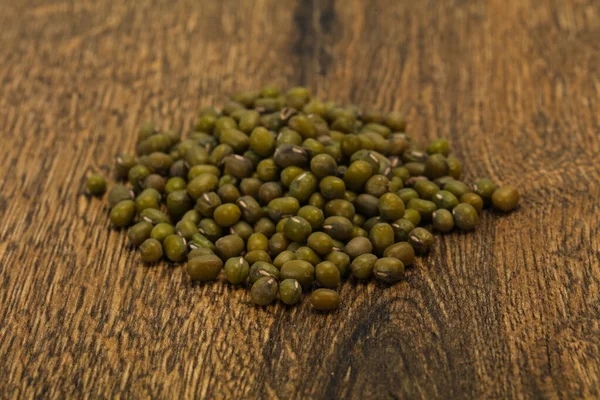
(510, 311)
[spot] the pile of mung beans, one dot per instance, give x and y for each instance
(284, 193)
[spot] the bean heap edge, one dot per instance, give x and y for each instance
(285, 193)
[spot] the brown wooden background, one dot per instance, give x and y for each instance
(512, 310)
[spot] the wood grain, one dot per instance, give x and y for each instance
(510, 311)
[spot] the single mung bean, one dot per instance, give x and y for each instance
(402, 173)
(219, 154)
(288, 136)
(237, 139)
(203, 183)
(402, 228)
(264, 291)
(250, 187)
(339, 207)
(264, 226)
(305, 253)
(367, 205)
(186, 229)
(283, 207)
(377, 185)
(229, 246)
(139, 232)
(391, 207)
(362, 266)
(151, 250)
(358, 246)
(413, 216)
(300, 270)
(154, 216)
(303, 186)
(339, 228)
(465, 216)
(454, 167)
(313, 215)
(204, 268)
(209, 228)
(415, 168)
(257, 241)
(403, 251)
(123, 164)
(421, 240)
(505, 198)
(424, 207)
(381, 236)
(473, 199)
(485, 188)
(303, 125)
(269, 191)
(407, 194)
(198, 170)
(290, 291)
(442, 220)
(147, 200)
(198, 241)
(325, 300)
(357, 175)
(332, 187)
(442, 180)
(297, 229)
(396, 184)
(371, 222)
(175, 248)
(359, 232)
(262, 141)
(323, 165)
(96, 184)
(267, 170)
(175, 183)
(228, 193)
(192, 215)
(317, 200)
(200, 251)
(118, 193)
(288, 175)
(445, 199)
(320, 242)
(227, 214)
(426, 189)
(388, 269)
(436, 166)
(178, 203)
(278, 243)
(457, 188)
(197, 155)
(261, 269)
(287, 155)
(327, 274)
(156, 182)
(122, 214)
(341, 260)
(438, 146)
(161, 231)
(238, 166)
(257, 255)
(207, 204)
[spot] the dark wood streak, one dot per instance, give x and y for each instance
(303, 46)
(315, 22)
(509, 311)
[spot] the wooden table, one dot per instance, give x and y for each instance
(510, 311)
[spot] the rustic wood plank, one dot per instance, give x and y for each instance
(510, 311)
